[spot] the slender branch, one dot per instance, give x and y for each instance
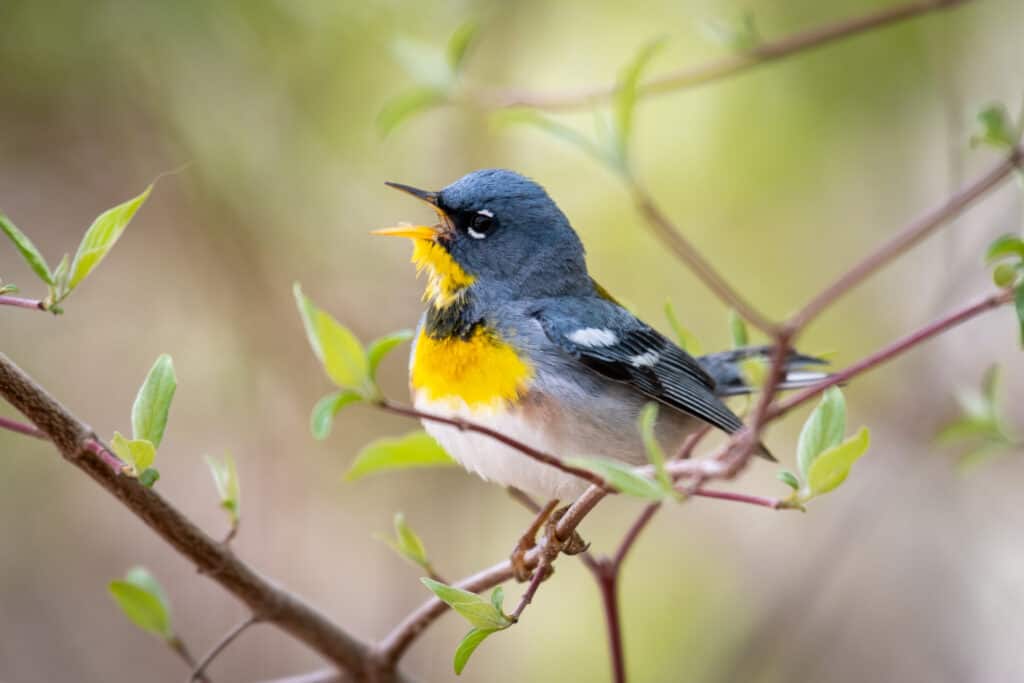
(197, 671)
(773, 503)
(179, 648)
(21, 302)
(21, 428)
(467, 426)
(539, 575)
(670, 235)
(632, 534)
(724, 67)
(608, 583)
(892, 350)
(906, 238)
(278, 606)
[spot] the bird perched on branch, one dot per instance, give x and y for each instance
(517, 336)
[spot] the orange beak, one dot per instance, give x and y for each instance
(417, 232)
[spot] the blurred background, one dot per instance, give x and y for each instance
(783, 175)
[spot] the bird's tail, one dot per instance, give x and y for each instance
(726, 369)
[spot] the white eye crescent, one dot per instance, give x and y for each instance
(483, 222)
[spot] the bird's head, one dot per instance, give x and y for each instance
(499, 233)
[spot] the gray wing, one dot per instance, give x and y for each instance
(611, 341)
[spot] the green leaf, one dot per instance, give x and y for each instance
(27, 249)
(990, 383)
(655, 454)
(382, 346)
(101, 236)
(229, 488)
(1005, 246)
(470, 642)
(830, 469)
(153, 402)
(459, 44)
(1005, 275)
(995, 128)
(138, 453)
(408, 544)
(423, 63)
(967, 428)
(824, 429)
(417, 449)
(60, 275)
(1019, 306)
(622, 477)
(789, 479)
(143, 601)
(478, 611)
(149, 476)
(624, 101)
(327, 408)
(337, 348)
(738, 330)
(498, 598)
(687, 340)
(399, 109)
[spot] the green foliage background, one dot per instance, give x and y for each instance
(782, 175)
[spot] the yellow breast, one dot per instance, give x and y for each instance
(481, 370)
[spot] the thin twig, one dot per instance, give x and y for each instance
(179, 648)
(724, 67)
(632, 534)
(773, 503)
(20, 302)
(539, 575)
(22, 428)
(468, 426)
(673, 238)
(892, 350)
(229, 637)
(905, 239)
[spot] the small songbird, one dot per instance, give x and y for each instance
(517, 336)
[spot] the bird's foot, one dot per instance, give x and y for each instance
(574, 545)
(527, 541)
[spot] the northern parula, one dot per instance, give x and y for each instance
(517, 336)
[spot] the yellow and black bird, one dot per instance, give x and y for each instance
(518, 337)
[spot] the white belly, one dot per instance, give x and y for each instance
(496, 462)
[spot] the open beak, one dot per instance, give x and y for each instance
(417, 232)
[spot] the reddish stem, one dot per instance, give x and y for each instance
(467, 426)
(773, 503)
(21, 302)
(892, 350)
(21, 428)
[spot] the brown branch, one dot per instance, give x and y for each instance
(673, 238)
(773, 503)
(179, 648)
(274, 604)
(468, 426)
(906, 238)
(724, 67)
(229, 637)
(892, 350)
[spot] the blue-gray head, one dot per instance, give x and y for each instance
(499, 230)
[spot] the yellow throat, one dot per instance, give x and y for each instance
(446, 280)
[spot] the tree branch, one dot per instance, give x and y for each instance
(468, 426)
(671, 236)
(906, 238)
(271, 602)
(20, 302)
(21, 428)
(724, 67)
(892, 350)
(228, 638)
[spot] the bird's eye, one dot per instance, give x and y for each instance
(481, 224)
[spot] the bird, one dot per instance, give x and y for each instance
(518, 337)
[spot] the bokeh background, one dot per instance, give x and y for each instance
(783, 176)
